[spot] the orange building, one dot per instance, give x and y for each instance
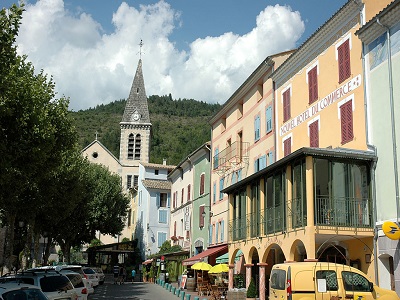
(314, 200)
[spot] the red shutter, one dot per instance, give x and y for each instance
(183, 193)
(286, 105)
(201, 218)
(314, 135)
(346, 120)
(188, 196)
(344, 61)
(312, 85)
(175, 228)
(287, 146)
(202, 184)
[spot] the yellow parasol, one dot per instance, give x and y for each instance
(220, 268)
(201, 266)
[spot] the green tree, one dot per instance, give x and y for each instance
(34, 129)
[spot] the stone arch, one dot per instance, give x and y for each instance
(298, 251)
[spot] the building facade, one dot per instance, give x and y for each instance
(313, 200)
(381, 56)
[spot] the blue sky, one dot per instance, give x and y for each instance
(200, 49)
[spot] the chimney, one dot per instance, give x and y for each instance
(164, 161)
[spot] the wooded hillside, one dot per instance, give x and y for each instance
(179, 126)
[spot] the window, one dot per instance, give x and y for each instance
(135, 180)
(128, 181)
(312, 85)
(201, 217)
(222, 230)
(286, 105)
(214, 193)
(257, 128)
(175, 228)
(287, 146)
(162, 200)
(331, 279)
(260, 163)
(162, 216)
(344, 61)
(183, 194)
(354, 282)
(233, 179)
(174, 200)
(268, 118)
(188, 193)
(216, 232)
(216, 161)
(210, 231)
(314, 134)
(138, 145)
(221, 187)
(271, 157)
(346, 122)
(202, 184)
(131, 145)
(129, 217)
(278, 279)
(162, 237)
(156, 172)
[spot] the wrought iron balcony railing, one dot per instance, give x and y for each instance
(231, 155)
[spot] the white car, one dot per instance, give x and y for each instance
(89, 285)
(91, 275)
(54, 285)
(78, 283)
(17, 291)
(100, 275)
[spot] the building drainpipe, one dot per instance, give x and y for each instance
(393, 121)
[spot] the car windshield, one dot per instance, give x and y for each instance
(24, 294)
(55, 283)
(89, 271)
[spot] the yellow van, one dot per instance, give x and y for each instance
(322, 281)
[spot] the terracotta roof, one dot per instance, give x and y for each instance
(158, 166)
(157, 184)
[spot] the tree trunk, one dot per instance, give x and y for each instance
(9, 249)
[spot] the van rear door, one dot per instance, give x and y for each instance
(326, 284)
(277, 284)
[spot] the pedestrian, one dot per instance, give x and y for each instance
(120, 274)
(133, 275)
(123, 274)
(116, 273)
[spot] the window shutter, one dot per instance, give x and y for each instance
(175, 228)
(158, 200)
(168, 200)
(222, 231)
(346, 120)
(314, 135)
(201, 184)
(188, 194)
(233, 177)
(216, 232)
(287, 146)
(214, 193)
(268, 117)
(221, 187)
(183, 194)
(271, 157)
(239, 175)
(263, 162)
(344, 61)
(286, 105)
(256, 165)
(201, 218)
(216, 158)
(257, 128)
(210, 234)
(312, 85)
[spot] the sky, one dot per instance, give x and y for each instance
(193, 49)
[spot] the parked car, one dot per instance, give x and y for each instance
(78, 282)
(100, 274)
(17, 291)
(54, 285)
(322, 280)
(91, 275)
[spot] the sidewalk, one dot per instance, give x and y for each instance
(193, 294)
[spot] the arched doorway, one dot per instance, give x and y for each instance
(334, 254)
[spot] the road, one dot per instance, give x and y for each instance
(133, 291)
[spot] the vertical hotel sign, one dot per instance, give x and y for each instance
(321, 104)
(187, 218)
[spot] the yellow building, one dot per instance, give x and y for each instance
(314, 201)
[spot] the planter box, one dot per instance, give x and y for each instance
(236, 295)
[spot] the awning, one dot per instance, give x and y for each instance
(146, 262)
(224, 258)
(210, 251)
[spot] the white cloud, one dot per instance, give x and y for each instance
(92, 67)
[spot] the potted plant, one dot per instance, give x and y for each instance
(251, 290)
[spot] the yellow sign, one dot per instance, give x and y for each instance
(391, 230)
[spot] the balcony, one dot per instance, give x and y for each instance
(232, 156)
(330, 213)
